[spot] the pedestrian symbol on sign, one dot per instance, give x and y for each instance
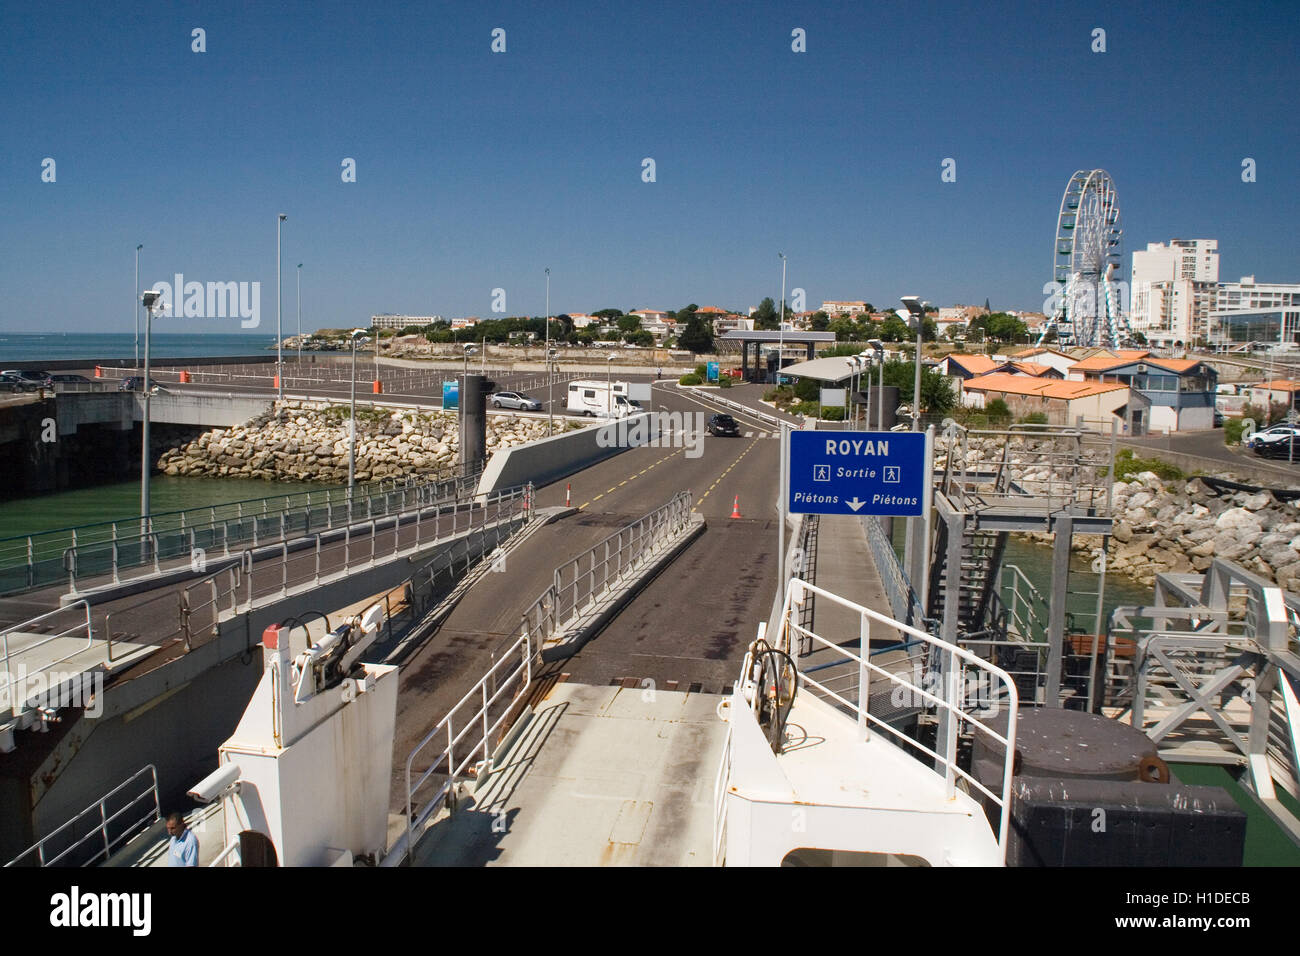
(893, 475)
(821, 472)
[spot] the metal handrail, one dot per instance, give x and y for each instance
(154, 548)
(100, 807)
(109, 546)
(605, 564)
(446, 726)
(28, 625)
(950, 698)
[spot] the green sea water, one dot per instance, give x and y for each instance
(121, 500)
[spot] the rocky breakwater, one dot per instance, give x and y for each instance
(309, 442)
(1182, 525)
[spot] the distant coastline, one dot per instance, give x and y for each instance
(52, 346)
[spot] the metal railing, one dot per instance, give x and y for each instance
(111, 812)
(903, 600)
(324, 557)
(578, 584)
(495, 695)
(157, 550)
(79, 613)
(947, 690)
(108, 547)
(1059, 469)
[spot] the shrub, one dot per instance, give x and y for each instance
(724, 381)
(1232, 429)
(833, 414)
(997, 411)
(690, 379)
(1034, 418)
(702, 371)
(1127, 466)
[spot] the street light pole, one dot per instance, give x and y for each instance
(917, 312)
(352, 424)
(609, 391)
(550, 394)
(879, 348)
(279, 336)
(137, 304)
(299, 305)
(780, 325)
(150, 301)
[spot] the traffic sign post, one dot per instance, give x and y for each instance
(858, 473)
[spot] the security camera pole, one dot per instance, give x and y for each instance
(917, 312)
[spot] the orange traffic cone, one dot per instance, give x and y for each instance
(735, 508)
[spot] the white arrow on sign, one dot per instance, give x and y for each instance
(854, 503)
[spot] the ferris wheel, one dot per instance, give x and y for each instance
(1087, 257)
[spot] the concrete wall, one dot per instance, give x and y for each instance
(196, 408)
(550, 459)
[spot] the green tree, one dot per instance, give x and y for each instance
(628, 323)
(894, 329)
(765, 316)
(697, 336)
(937, 396)
(819, 321)
(608, 313)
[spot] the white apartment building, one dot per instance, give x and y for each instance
(402, 321)
(843, 308)
(1249, 294)
(1173, 289)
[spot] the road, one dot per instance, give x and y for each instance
(690, 625)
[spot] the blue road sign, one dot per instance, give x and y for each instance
(712, 369)
(857, 473)
(451, 394)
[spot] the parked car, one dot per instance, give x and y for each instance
(1284, 446)
(1272, 434)
(135, 383)
(70, 379)
(722, 425)
(516, 400)
(35, 376)
(10, 382)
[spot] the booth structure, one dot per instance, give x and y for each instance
(768, 345)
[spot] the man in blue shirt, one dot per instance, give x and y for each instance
(183, 850)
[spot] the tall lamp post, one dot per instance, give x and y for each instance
(151, 301)
(609, 391)
(352, 423)
(279, 336)
(299, 304)
(780, 325)
(917, 313)
(549, 415)
(879, 348)
(550, 410)
(137, 304)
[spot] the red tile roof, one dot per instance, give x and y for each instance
(1050, 388)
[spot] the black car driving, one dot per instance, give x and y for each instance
(722, 425)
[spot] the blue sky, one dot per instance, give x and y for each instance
(477, 170)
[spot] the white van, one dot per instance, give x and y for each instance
(601, 400)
